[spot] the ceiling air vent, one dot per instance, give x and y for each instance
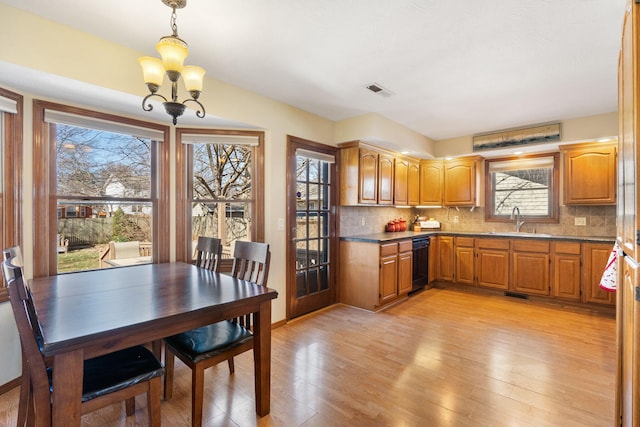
(379, 90)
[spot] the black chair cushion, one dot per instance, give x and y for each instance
(116, 371)
(201, 343)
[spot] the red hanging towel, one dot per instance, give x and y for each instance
(610, 275)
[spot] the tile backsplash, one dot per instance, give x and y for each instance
(600, 221)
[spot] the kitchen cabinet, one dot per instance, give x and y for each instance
(530, 261)
(492, 263)
(566, 272)
(464, 260)
(374, 275)
(463, 179)
(431, 182)
(413, 183)
(405, 267)
(388, 272)
(386, 164)
(401, 182)
(433, 258)
(589, 174)
(445, 258)
(595, 257)
(366, 175)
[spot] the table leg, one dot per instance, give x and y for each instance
(68, 369)
(262, 358)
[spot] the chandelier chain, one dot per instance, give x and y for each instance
(174, 26)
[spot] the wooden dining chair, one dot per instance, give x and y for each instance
(107, 379)
(208, 253)
(204, 347)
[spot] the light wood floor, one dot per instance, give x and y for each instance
(443, 358)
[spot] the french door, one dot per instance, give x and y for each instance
(311, 226)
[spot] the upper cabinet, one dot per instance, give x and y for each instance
(431, 182)
(589, 174)
(406, 190)
(366, 175)
(462, 181)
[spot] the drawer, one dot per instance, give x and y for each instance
(464, 241)
(387, 249)
(526, 245)
(572, 248)
(493, 243)
(405, 246)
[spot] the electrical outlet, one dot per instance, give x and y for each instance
(580, 220)
(362, 221)
(456, 219)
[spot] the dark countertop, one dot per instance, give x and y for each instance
(390, 237)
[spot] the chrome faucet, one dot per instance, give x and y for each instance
(515, 214)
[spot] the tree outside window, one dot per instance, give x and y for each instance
(222, 192)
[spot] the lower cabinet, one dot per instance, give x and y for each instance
(595, 257)
(464, 260)
(445, 258)
(566, 271)
(530, 267)
(492, 263)
(374, 275)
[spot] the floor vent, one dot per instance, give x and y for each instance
(516, 295)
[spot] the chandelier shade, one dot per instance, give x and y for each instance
(173, 52)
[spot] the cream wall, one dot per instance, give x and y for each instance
(374, 128)
(573, 130)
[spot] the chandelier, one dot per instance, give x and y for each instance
(173, 51)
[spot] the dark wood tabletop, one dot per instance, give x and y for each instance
(86, 314)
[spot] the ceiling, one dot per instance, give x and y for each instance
(454, 68)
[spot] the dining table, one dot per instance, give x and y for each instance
(86, 314)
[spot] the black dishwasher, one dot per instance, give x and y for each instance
(420, 275)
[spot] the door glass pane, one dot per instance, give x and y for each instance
(323, 277)
(301, 196)
(324, 251)
(314, 170)
(301, 254)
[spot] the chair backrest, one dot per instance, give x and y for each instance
(14, 254)
(28, 329)
(251, 262)
(208, 253)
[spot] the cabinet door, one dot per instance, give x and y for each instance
(405, 272)
(492, 268)
(431, 182)
(460, 183)
(566, 276)
(385, 179)
(595, 260)
(368, 177)
(531, 267)
(388, 278)
(413, 184)
(400, 181)
(434, 256)
(445, 258)
(464, 264)
(590, 176)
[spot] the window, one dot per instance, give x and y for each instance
(106, 186)
(223, 180)
(529, 184)
(10, 173)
